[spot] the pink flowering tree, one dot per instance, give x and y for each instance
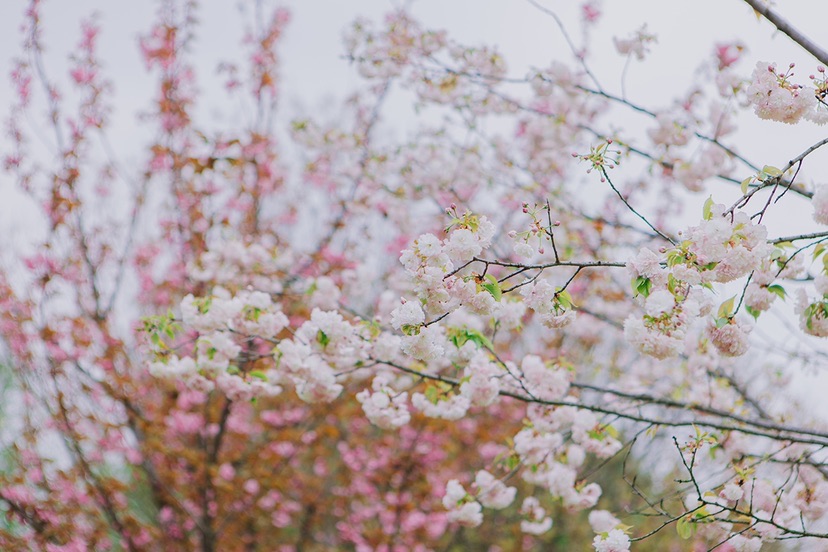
(519, 326)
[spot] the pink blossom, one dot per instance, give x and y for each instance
(731, 339)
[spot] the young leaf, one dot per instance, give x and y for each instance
(708, 206)
(685, 528)
(771, 171)
(726, 309)
(642, 286)
(478, 339)
(778, 290)
(323, 338)
(493, 287)
(564, 299)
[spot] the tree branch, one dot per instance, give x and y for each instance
(777, 21)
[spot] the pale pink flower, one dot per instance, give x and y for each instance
(615, 541)
(536, 522)
(732, 492)
(741, 543)
(481, 383)
(637, 44)
(461, 508)
(493, 493)
(384, 407)
(774, 97)
(452, 408)
(602, 521)
(523, 249)
(409, 313)
(758, 297)
(820, 204)
(731, 339)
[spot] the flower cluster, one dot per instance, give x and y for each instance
(722, 248)
(775, 97)
(219, 319)
(461, 506)
(553, 305)
(385, 407)
(322, 346)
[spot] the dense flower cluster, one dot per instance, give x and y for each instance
(775, 97)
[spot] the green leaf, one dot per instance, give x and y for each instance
(461, 336)
(493, 287)
(726, 309)
(708, 206)
(642, 286)
(809, 314)
(675, 257)
(564, 299)
(323, 338)
(685, 528)
(753, 312)
(432, 394)
(258, 374)
(745, 184)
(778, 290)
(771, 171)
(479, 339)
(203, 304)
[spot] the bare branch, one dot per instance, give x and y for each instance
(808, 45)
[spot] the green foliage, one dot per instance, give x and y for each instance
(161, 327)
(460, 336)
